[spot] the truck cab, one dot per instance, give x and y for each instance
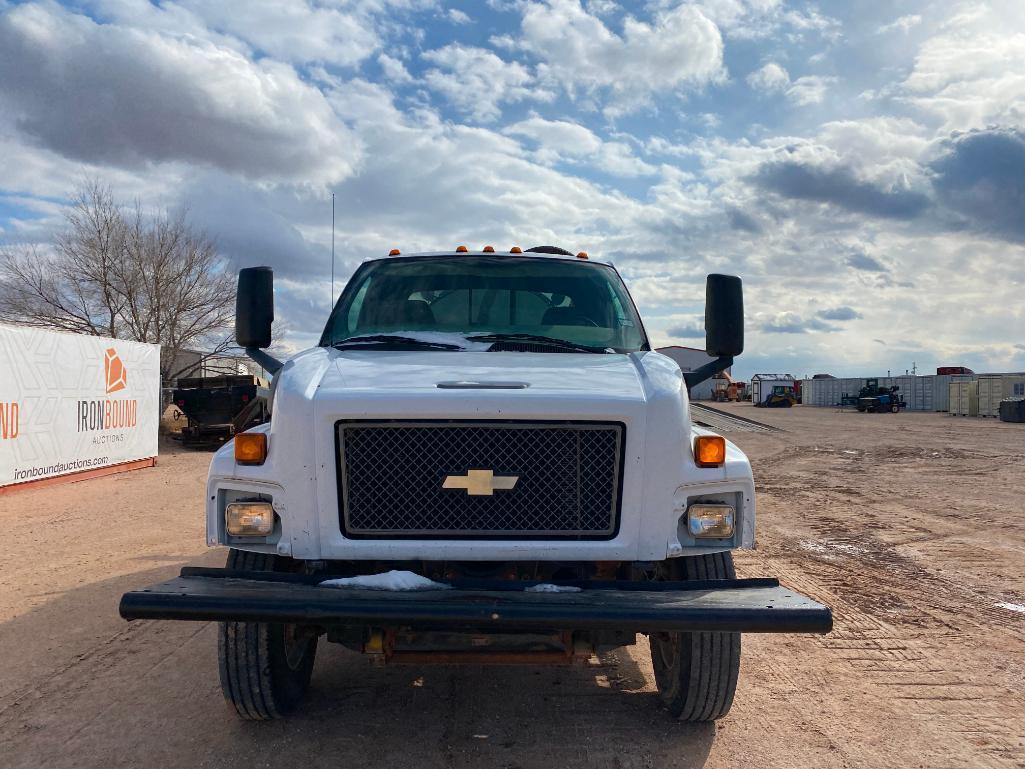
(483, 460)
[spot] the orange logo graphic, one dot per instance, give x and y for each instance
(117, 377)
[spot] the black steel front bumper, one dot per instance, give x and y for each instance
(745, 605)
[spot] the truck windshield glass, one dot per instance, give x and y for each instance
(576, 302)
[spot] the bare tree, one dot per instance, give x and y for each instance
(148, 278)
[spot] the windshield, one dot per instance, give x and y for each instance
(579, 303)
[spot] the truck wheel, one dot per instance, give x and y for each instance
(696, 673)
(265, 668)
(894, 408)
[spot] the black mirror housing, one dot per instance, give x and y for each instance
(254, 307)
(724, 316)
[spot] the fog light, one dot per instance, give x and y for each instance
(249, 519)
(714, 521)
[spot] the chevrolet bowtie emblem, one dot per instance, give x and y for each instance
(480, 483)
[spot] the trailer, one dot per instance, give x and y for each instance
(773, 390)
(218, 407)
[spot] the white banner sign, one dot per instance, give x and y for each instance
(71, 403)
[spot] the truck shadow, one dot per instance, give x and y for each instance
(88, 689)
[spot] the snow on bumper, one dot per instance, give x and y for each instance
(745, 605)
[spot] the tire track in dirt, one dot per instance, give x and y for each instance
(911, 634)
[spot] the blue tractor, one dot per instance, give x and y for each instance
(874, 399)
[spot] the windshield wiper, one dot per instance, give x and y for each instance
(392, 341)
(539, 339)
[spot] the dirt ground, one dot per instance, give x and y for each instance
(911, 526)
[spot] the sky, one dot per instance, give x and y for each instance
(861, 165)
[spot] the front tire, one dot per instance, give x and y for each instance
(696, 673)
(265, 668)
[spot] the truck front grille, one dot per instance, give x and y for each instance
(392, 479)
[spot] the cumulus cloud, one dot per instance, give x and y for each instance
(859, 260)
(678, 48)
(457, 17)
(394, 69)
(839, 313)
(822, 219)
(557, 138)
(810, 89)
(969, 74)
(108, 94)
(562, 140)
(478, 82)
(901, 24)
(692, 328)
(981, 176)
(839, 186)
(770, 78)
(790, 323)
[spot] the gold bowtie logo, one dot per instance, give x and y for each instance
(480, 483)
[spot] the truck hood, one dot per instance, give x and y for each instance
(615, 376)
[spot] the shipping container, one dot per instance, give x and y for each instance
(994, 388)
(954, 400)
(762, 384)
(990, 395)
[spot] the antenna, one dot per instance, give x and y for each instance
(332, 252)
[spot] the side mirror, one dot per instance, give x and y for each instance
(724, 316)
(254, 307)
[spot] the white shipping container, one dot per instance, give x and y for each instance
(964, 398)
(954, 399)
(990, 395)
(993, 388)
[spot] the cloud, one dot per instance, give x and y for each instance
(968, 74)
(678, 48)
(810, 89)
(693, 328)
(394, 69)
(458, 17)
(771, 78)
(862, 261)
(981, 176)
(558, 137)
(839, 186)
(903, 24)
(562, 140)
(107, 94)
(478, 82)
(790, 323)
(839, 313)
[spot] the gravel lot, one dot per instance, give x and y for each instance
(911, 526)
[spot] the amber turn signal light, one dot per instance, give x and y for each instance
(251, 448)
(710, 451)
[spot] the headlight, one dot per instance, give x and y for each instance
(711, 521)
(249, 519)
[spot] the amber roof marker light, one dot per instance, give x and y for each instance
(461, 249)
(488, 249)
(582, 255)
(394, 252)
(515, 250)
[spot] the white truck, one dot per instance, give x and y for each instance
(494, 429)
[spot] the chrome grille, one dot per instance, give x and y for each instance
(391, 476)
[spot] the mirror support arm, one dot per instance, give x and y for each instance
(270, 364)
(707, 371)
